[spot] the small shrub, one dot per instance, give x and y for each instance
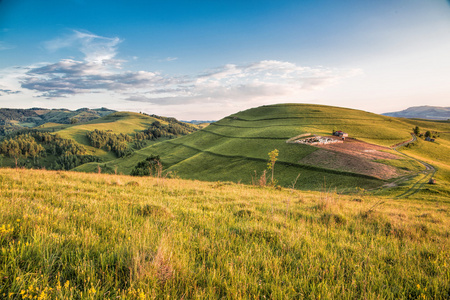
(154, 211)
(328, 218)
(261, 181)
(243, 213)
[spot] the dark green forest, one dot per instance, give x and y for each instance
(34, 149)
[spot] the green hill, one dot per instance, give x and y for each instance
(233, 148)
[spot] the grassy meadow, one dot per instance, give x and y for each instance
(68, 235)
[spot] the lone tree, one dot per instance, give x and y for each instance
(416, 130)
(273, 156)
(428, 134)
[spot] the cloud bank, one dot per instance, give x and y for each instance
(100, 72)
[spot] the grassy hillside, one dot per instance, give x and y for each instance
(237, 146)
(66, 235)
(118, 122)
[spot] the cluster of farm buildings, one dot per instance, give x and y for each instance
(320, 140)
(317, 140)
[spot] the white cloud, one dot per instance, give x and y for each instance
(97, 49)
(101, 73)
(228, 83)
(246, 83)
(169, 59)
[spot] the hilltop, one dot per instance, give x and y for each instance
(423, 112)
(236, 148)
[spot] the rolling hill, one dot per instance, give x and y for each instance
(114, 127)
(236, 148)
(12, 119)
(37, 116)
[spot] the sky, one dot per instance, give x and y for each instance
(205, 60)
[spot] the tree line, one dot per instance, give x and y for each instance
(157, 130)
(34, 144)
(118, 143)
(428, 133)
(21, 146)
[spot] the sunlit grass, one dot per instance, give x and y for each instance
(88, 236)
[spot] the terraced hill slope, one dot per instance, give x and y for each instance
(237, 146)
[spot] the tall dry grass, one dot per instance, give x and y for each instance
(94, 236)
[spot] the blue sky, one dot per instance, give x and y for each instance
(208, 59)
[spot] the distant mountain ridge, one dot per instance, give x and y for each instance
(423, 112)
(198, 122)
(37, 116)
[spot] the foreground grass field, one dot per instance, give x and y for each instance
(66, 235)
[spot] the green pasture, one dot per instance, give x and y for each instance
(67, 235)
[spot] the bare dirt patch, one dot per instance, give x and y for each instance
(361, 149)
(354, 156)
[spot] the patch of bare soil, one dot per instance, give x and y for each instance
(353, 156)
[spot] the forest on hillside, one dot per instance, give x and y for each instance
(32, 148)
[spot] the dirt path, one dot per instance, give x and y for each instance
(428, 173)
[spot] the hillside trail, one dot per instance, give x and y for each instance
(428, 173)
